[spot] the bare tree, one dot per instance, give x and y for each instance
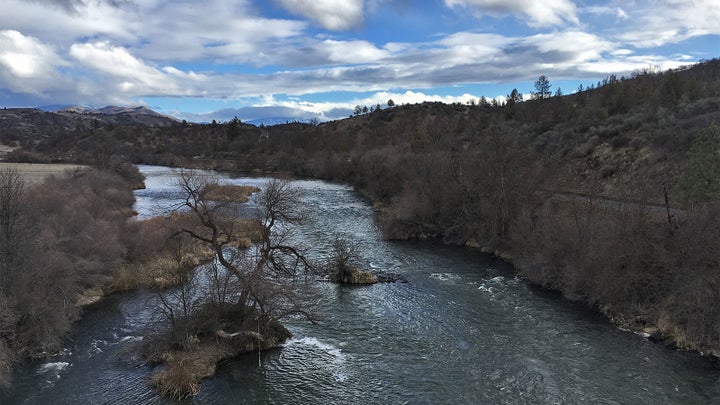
(178, 304)
(12, 201)
(343, 259)
(259, 279)
(210, 221)
(8, 318)
(281, 210)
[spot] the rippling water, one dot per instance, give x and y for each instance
(463, 329)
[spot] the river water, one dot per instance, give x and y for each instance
(463, 329)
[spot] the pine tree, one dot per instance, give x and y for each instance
(542, 87)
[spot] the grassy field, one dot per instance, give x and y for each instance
(36, 172)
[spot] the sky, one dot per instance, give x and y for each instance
(201, 60)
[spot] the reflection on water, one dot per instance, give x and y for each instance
(464, 329)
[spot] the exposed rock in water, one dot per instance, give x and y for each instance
(653, 333)
(90, 296)
(353, 275)
(473, 243)
(138, 185)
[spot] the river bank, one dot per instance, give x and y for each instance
(623, 260)
(639, 302)
(62, 232)
(462, 320)
(667, 334)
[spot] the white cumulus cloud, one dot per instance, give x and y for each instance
(27, 64)
(660, 22)
(352, 51)
(118, 68)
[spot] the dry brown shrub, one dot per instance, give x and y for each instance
(186, 368)
(609, 257)
(691, 314)
(161, 271)
(145, 238)
(245, 230)
(249, 229)
(156, 250)
(179, 379)
(406, 216)
(126, 278)
(157, 255)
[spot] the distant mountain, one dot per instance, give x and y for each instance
(121, 115)
(111, 109)
(108, 110)
(88, 109)
(34, 124)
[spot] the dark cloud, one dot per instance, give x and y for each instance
(336, 113)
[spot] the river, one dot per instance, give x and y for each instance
(463, 329)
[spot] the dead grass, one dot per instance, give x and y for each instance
(37, 172)
(245, 231)
(161, 271)
(229, 193)
(153, 264)
(250, 229)
(185, 369)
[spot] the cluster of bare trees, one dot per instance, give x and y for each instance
(454, 195)
(234, 303)
(57, 238)
(248, 287)
(71, 233)
(628, 262)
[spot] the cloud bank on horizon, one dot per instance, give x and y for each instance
(319, 58)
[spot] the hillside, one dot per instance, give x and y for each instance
(29, 126)
(627, 137)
